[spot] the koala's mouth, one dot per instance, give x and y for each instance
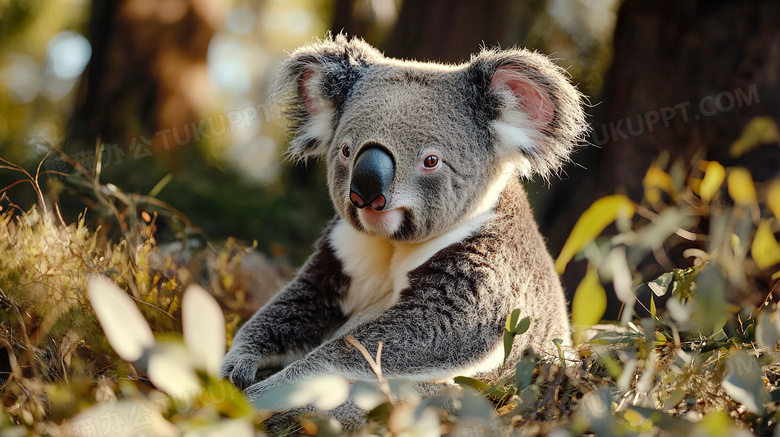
(381, 222)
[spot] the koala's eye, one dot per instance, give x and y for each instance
(345, 150)
(431, 161)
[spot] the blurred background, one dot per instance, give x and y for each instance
(171, 95)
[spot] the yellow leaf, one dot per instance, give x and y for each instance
(603, 212)
(773, 198)
(713, 179)
(656, 180)
(760, 130)
(765, 250)
(589, 304)
(741, 187)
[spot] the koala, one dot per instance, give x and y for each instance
(433, 243)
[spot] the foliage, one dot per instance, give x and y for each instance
(694, 264)
(54, 358)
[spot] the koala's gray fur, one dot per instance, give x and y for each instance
(435, 274)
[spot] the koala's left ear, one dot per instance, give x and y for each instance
(535, 114)
(313, 84)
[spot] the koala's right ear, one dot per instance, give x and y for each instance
(312, 86)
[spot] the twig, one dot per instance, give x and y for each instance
(374, 364)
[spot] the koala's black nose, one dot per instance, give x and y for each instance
(371, 178)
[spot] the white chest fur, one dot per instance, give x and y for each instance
(379, 268)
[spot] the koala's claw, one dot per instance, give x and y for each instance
(240, 370)
(255, 391)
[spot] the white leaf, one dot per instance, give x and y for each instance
(595, 407)
(126, 418)
(367, 395)
(744, 382)
(768, 329)
(621, 274)
(204, 327)
(324, 392)
(680, 312)
(660, 285)
(127, 331)
(408, 421)
(171, 370)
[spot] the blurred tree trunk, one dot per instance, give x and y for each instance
(686, 78)
(450, 30)
(707, 66)
(440, 30)
(147, 74)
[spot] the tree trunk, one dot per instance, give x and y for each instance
(686, 78)
(147, 74)
(705, 69)
(450, 30)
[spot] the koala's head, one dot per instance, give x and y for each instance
(412, 149)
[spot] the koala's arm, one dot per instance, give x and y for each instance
(446, 323)
(293, 322)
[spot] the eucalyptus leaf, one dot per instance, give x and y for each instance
(660, 285)
(524, 372)
(465, 381)
(522, 325)
(475, 406)
(767, 329)
(744, 382)
(171, 369)
(591, 223)
(204, 327)
(125, 327)
(324, 392)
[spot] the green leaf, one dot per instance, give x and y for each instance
(160, 185)
(675, 397)
(475, 406)
(592, 222)
(660, 339)
(652, 307)
(716, 424)
(664, 421)
(509, 332)
(524, 372)
(558, 342)
(465, 381)
(381, 413)
(511, 321)
(523, 325)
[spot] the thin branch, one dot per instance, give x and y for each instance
(374, 364)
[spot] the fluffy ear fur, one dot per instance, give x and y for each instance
(312, 86)
(536, 114)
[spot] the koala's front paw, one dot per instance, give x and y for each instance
(240, 367)
(257, 390)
